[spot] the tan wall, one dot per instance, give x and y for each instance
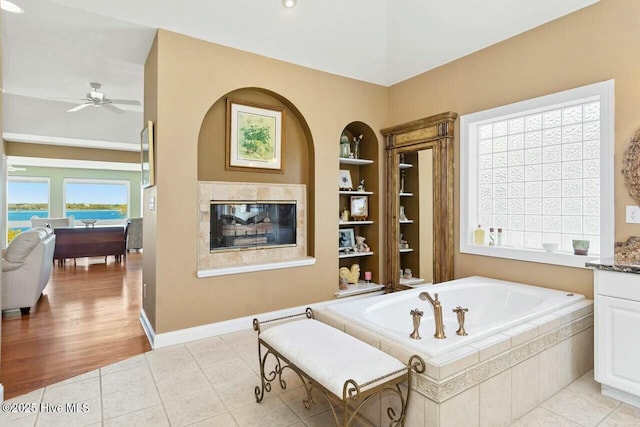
(75, 153)
(594, 44)
(191, 76)
(149, 225)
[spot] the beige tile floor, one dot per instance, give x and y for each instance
(210, 382)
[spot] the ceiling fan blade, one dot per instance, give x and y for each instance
(70, 99)
(113, 108)
(78, 107)
(123, 101)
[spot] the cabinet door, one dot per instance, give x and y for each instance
(617, 348)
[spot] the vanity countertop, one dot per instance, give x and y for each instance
(609, 264)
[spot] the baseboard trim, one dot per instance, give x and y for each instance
(181, 336)
(148, 329)
(620, 395)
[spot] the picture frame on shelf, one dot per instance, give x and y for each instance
(147, 150)
(346, 239)
(344, 180)
(359, 207)
(254, 137)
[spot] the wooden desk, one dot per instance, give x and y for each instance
(87, 242)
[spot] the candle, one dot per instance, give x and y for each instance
(367, 276)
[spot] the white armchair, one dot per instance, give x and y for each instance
(66, 221)
(26, 267)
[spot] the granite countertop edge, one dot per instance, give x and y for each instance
(609, 264)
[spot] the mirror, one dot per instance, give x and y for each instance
(419, 202)
(415, 217)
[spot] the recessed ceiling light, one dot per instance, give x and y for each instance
(289, 3)
(8, 6)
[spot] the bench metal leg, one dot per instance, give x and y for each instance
(266, 378)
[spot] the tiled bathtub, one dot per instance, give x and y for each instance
(492, 380)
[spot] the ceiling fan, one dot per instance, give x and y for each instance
(97, 98)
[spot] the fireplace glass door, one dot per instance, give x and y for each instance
(246, 225)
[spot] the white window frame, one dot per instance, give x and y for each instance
(604, 91)
(125, 182)
(34, 179)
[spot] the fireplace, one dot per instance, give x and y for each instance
(249, 225)
(249, 243)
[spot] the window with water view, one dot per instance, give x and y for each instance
(105, 201)
(26, 197)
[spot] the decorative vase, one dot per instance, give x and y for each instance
(580, 247)
(345, 148)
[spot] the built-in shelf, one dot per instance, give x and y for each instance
(408, 221)
(357, 193)
(347, 161)
(405, 165)
(361, 169)
(355, 254)
(360, 288)
(412, 282)
(355, 222)
(403, 194)
(404, 251)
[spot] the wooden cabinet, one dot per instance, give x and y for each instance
(433, 135)
(617, 325)
(83, 242)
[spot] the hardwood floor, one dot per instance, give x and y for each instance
(88, 317)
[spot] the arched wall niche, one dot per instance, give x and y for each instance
(298, 144)
(298, 148)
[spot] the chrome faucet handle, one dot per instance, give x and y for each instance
(417, 314)
(460, 311)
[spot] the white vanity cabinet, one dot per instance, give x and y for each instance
(617, 334)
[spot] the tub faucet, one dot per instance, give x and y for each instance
(416, 315)
(460, 312)
(437, 313)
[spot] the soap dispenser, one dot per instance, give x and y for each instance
(478, 236)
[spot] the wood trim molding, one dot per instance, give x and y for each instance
(435, 133)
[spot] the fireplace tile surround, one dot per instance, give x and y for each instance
(214, 264)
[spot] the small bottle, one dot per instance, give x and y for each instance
(478, 236)
(499, 242)
(492, 237)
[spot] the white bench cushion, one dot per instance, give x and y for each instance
(328, 355)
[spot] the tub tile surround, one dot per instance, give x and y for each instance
(535, 360)
(217, 263)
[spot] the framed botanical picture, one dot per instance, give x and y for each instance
(255, 137)
(346, 238)
(359, 207)
(344, 180)
(147, 156)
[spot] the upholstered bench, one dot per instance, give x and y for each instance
(332, 361)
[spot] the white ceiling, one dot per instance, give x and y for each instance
(57, 46)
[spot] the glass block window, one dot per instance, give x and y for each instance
(539, 176)
(538, 169)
